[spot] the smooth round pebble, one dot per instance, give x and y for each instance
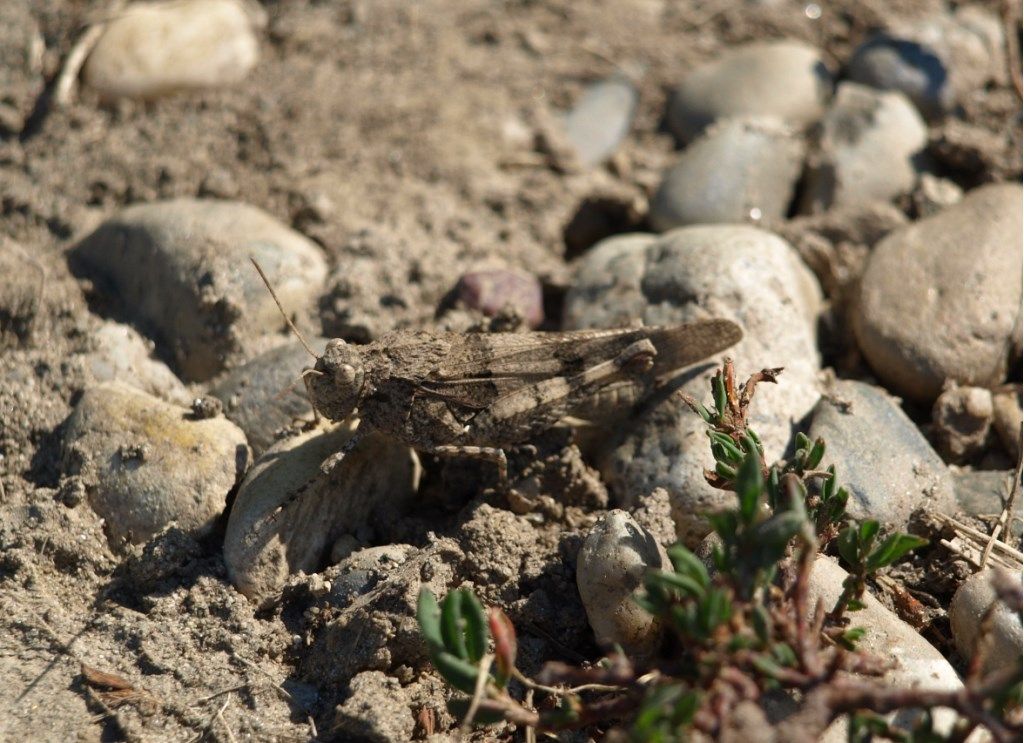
(601, 118)
(739, 273)
(181, 272)
(935, 61)
(869, 148)
(492, 290)
(610, 569)
(152, 49)
(940, 299)
(266, 394)
(147, 464)
(289, 513)
(880, 456)
(738, 170)
(918, 664)
(122, 355)
(970, 604)
(377, 710)
(962, 418)
(786, 79)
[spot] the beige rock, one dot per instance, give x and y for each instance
(970, 604)
(288, 513)
(963, 419)
(147, 464)
(941, 297)
(123, 355)
(609, 570)
(152, 49)
(1008, 419)
(783, 78)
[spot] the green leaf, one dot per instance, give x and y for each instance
(687, 563)
(802, 442)
(829, 486)
(762, 623)
(725, 471)
(725, 524)
(458, 672)
(732, 452)
(684, 583)
(766, 665)
(477, 633)
(749, 484)
(816, 454)
(851, 637)
(855, 605)
(892, 549)
(428, 614)
(784, 654)
(451, 625)
(757, 439)
(868, 530)
(847, 545)
(718, 389)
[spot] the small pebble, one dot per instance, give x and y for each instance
(970, 604)
(600, 120)
(491, 291)
(936, 60)
(784, 79)
(739, 273)
(736, 171)
(122, 355)
(880, 456)
(609, 570)
(869, 148)
(267, 394)
(152, 49)
(206, 407)
(940, 298)
(180, 270)
(933, 194)
(147, 463)
(962, 417)
(264, 544)
(1006, 407)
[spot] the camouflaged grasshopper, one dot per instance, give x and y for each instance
(476, 394)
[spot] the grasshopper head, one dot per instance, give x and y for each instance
(337, 389)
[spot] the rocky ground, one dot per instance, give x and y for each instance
(842, 180)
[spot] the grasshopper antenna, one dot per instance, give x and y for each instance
(284, 314)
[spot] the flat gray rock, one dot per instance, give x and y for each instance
(737, 171)
(786, 79)
(601, 118)
(880, 456)
(941, 298)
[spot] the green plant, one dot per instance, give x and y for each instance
(737, 631)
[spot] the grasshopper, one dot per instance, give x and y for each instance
(476, 394)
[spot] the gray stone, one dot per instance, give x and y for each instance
(610, 568)
(970, 605)
(600, 120)
(785, 79)
(941, 297)
(935, 61)
(267, 393)
(916, 663)
(122, 355)
(983, 494)
(146, 464)
(180, 270)
(735, 272)
(880, 456)
(376, 711)
(737, 170)
(363, 569)
(869, 148)
(289, 513)
(963, 419)
(153, 49)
